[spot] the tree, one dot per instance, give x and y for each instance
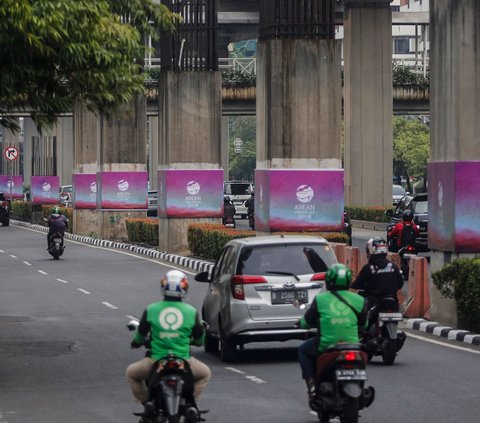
(242, 165)
(411, 148)
(54, 53)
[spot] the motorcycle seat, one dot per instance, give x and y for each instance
(344, 347)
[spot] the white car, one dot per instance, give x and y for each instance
(398, 193)
(253, 286)
(239, 192)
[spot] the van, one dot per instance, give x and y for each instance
(239, 192)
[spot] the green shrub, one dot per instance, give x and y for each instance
(370, 214)
(142, 230)
(150, 231)
(134, 229)
(206, 240)
(47, 210)
(460, 280)
(22, 210)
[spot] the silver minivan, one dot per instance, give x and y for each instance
(253, 286)
(239, 192)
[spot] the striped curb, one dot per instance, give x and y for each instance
(190, 263)
(438, 329)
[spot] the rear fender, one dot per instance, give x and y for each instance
(172, 394)
(391, 330)
(352, 389)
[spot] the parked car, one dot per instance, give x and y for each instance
(239, 192)
(152, 203)
(65, 194)
(4, 210)
(253, 286)
(418, 204)
(398, 192)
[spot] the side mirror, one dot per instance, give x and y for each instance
(133, 325)
(389, 212)
(202, 277)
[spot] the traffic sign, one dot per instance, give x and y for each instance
(11, 153)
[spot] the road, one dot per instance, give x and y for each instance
(64, 348)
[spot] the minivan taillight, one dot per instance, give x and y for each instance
(237, 282)
(318, 276)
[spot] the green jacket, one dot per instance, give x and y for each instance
(335, 321)
(173, 326)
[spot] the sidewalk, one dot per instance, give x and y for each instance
(197, 265)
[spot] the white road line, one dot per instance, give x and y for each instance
(27, 263)
(61, 280)
(234, 370)
(455, 347)
(42, 272)
(12, 256)
(110, 305)
(255, 379)
(2, 251)
(130, 317)
(83, 290)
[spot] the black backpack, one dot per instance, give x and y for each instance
(408, 235)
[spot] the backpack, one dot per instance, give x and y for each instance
(408, 235)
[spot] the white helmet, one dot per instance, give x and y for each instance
(174, 284)
(376, 245)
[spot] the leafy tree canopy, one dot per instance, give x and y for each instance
(54, 53)
(242, 165)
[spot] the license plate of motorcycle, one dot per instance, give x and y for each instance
(289, 296)
(351, 374)
(390, 317)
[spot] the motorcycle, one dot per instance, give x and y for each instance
(406, 253)
(4, 210)
(170, 387)
(55, 246)
(382, 337)
(340, 381)
(229, 222)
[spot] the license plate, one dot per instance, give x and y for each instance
(354, 374)
(289, 296)
(390, 317)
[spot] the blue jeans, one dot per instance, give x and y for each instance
(307, 355)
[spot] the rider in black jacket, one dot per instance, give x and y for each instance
(379, 278)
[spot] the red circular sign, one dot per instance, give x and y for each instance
(11, 153)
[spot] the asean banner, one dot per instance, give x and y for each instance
(13, 185)
(44, 190)
(299, 199)
(122, 190)
(84, 190)
(190, 193)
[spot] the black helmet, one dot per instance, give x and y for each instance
(407, 216)
(338, 277)
(226, 199)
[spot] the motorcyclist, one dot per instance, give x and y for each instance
(380, 277)
(250, 204)
(229, 211)
(57, 223)
(338, 314)
(405, 232)
(172, 326)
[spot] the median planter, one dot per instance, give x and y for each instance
(239, 93)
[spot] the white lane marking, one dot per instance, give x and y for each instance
(42, 272)
(128, 316)
(83, 290)
(27, 263)
(61, 280)
(110, 305)
(12, 256)
(234, 370)
(433, 341)
(2, 251)
(255, 379)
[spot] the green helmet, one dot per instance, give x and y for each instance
(338, 277)
(56, 210)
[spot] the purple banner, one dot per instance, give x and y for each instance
(44, 190)
(297, 199)
(190, 193)
(454, 204)
(122, 190)
(84, 190)
(11, 185)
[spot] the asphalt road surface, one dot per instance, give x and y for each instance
(64, 348)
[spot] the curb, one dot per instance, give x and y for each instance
(374, 226)
(190, 263)
(438, 329)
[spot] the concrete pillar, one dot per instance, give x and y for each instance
(109, 144)
(190, 110)
(298, 103)
(153, 151)
(225, 146)
(368, 102)
(454, 139)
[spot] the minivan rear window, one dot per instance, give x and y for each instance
(237, 189)
(299, 259)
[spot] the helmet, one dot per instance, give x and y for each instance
(338, 277)
(375, 246)
(407, 216)
(174, 284)
(56, 210)
(226, 199)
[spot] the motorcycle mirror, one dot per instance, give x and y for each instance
(133, 325)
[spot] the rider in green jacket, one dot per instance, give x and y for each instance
(172, 326)
(332, 313)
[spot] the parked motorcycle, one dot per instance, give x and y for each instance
(383, 337)
(406, 253)
(340, 389)
(4, 210)
(170, 387)
(56, 245)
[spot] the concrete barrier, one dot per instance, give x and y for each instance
(417, 304)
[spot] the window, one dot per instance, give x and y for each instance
(401, 45)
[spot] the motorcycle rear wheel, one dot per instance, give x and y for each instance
(174, 419)
(350, 411)
(389, 352)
